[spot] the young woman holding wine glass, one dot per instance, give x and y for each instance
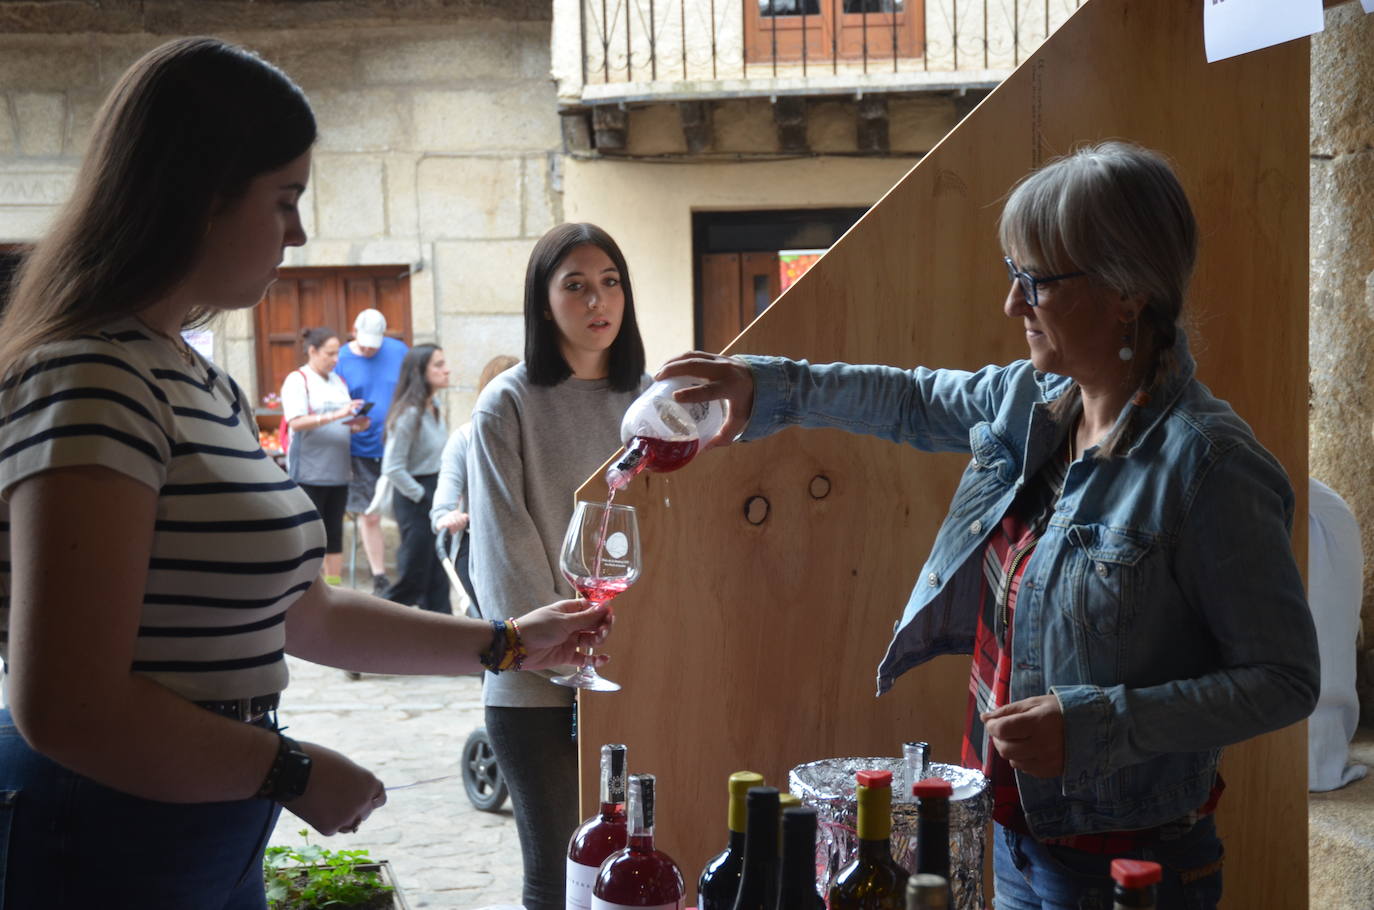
(157, 565)
(539, 430)
(1118, 527)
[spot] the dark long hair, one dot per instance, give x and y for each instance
(412, 389)
(186, 129)
(544, 360)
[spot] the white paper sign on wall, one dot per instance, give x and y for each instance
(1232, 27)
(1368, 5)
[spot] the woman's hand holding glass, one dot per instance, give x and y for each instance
(554, 634)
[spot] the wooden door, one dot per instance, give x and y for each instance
(754, 645)
(787, 30)
(879, 29)
(305, 298)
(735, 288)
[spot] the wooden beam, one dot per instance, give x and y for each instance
(789, 116)
(696, 125)
(870, 114)
(610, 127)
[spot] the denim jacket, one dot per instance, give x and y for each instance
(1162, 606)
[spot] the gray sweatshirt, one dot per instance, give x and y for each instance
(414, 443)
(531, 448)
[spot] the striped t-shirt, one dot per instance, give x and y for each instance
(235, 541)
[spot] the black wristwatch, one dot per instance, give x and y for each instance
(289, 774)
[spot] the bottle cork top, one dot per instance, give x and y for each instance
(932, 787)
(874, 779)
(1135, 873)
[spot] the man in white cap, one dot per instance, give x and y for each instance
(370, 364)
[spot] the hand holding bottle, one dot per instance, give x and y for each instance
(550, 634)
(725, 378)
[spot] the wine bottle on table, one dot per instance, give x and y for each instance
(639, 875)
(872, 880)
(1135, 884)
(758, 884)
(932, 827)
(927, 892)
(601, 835)
(719, 882)
(797, 883)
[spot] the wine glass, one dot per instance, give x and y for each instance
(601, 558)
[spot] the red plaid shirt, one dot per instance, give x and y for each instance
(1008, 551)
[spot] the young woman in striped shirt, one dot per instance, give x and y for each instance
(160, 566)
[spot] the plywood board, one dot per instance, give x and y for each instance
(755, 646)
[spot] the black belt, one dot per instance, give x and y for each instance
(249, 710)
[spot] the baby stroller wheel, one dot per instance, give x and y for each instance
(482, 779)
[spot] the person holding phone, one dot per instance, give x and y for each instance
(322, 419)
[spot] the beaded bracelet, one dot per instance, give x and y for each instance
(515, 646)
(494, 658)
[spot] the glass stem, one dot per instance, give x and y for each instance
(587, 640)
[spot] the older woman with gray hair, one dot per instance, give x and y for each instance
(1163, 614)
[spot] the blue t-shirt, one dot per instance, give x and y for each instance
(372, 379)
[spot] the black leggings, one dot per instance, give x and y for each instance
(329, 502)
(538, 760)
(420, 578)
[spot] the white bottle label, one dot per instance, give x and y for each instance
(578, 892)
(599, 904)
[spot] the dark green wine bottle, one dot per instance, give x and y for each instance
(872, 880)
(758, 885)
(797, 883)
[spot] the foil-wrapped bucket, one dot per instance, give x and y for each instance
(828, 787)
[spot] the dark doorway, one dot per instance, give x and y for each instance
(744, 260)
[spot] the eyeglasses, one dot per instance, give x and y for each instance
(1029, 283)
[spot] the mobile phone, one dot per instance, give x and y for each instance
(367, 406)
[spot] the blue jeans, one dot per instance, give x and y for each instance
(69, 843)
(1029, 875)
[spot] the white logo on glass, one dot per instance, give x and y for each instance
(617, 545)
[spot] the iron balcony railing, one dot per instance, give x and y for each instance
(708, 43)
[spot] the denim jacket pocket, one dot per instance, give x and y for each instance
(1109, 566)
(991, 453)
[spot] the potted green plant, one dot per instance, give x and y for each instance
(311, 877)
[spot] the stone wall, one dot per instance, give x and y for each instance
(1341, 332)
(439, 149)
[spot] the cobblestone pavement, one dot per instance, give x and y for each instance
(446, 854)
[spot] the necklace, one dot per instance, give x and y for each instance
(182, 348)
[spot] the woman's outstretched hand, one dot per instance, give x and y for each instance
(727, 378)
(551, 633)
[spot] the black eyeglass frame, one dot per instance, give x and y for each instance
(1030, 284)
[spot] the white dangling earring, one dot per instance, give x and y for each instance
(1127, 339)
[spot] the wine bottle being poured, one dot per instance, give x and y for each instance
(661, 434)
